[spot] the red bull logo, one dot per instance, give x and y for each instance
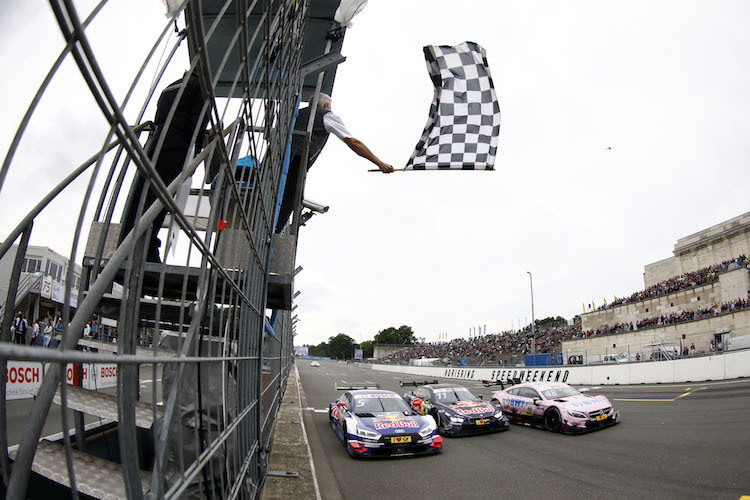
(471, 408)
(394, 422)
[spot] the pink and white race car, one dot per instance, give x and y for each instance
(555, 406)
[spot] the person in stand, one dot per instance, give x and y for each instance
(711, 346)
(19, 327)
(174, 151)
(326, 122)
(692, 349)
(35, 330)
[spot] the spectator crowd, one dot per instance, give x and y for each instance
(489, 349)
(670, 319)
(682, 282)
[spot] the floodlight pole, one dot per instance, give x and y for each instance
(533, 335)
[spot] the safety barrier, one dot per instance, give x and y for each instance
(726, 366)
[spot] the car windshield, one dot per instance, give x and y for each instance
(378, 403)
(453, 394)
(560, 392)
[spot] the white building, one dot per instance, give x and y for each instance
(42, 282)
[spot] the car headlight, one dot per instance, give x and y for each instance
(499, 415)
(576, 414)
(457, 420)
(428, 430)
(365, 433)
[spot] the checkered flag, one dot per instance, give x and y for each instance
(464, 125)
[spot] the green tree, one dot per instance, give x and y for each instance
(341, 346)
(401, 335)
(368, 348)
(319, 350)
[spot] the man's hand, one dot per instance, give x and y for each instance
(385, 168)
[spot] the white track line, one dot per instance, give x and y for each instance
(304, 435)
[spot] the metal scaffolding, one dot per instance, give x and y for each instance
(211, 324)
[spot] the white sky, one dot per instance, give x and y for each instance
(665, 84)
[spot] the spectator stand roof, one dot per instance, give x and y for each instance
(319, 28)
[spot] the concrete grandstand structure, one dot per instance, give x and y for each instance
(719, 244)
(715, 244)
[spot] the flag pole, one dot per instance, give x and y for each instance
(378, 170)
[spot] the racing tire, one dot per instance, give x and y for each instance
(438, 422)
(553, 420)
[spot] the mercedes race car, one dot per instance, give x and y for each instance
(556, 407)
(455, 409)
(376, 423)
(314, 363)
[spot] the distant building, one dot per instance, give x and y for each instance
(710, 246)
(42, 281)
(714, 245)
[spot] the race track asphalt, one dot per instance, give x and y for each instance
(675, 441)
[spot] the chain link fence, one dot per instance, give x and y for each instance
(173, 391)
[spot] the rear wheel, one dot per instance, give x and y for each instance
(553, 420)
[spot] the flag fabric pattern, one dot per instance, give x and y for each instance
(463, 128)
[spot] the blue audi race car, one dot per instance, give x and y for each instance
(376, 423)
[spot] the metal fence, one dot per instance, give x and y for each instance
(196, 327)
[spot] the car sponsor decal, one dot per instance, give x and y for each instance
(358, 396)
(471, 408)
(394, 422)
(401, 439)
(515, 403)
(586, 402)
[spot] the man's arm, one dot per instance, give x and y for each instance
(358, 147)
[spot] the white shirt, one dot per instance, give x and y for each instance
(334, 125)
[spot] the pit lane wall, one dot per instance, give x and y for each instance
(719, 367)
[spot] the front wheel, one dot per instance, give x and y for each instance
(553, 420)
(438, 422)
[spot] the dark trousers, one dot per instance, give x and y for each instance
(168, 166)
(19, 337)
(290, 189)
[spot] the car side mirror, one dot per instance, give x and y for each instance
(341, 403)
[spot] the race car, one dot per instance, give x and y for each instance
(314, 363)
(456, 410)
(377, 423)
(555, 406)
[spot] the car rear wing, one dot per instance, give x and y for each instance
(510, 381)
(415, 383)
(356, 386)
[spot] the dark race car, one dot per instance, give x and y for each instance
(456, 410)
(375, 423)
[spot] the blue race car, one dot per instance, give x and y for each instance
(375, 423)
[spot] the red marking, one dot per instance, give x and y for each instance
(357, 447)
(437, 442)
(222, 225)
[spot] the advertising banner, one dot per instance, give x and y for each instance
(23, 377)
